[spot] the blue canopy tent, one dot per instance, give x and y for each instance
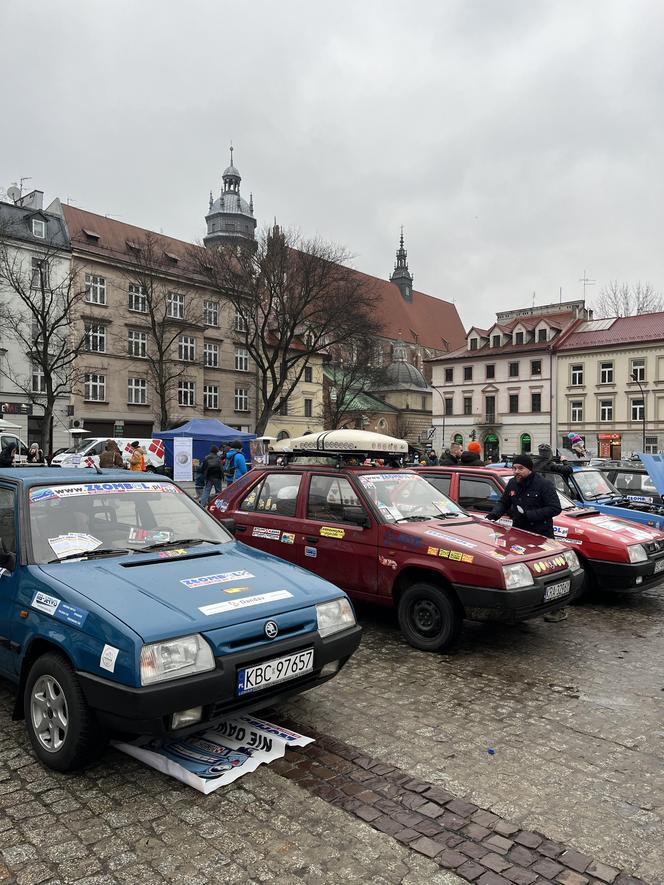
(204, 432)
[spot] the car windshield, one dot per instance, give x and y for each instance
(593, 484)
(94, 519)
(402, 497)
(565, 502)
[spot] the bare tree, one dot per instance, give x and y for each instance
(39, 295)
(625, 300)
(353, 374)
(293, 299)
(164, 313)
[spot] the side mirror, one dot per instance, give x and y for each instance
(356, 516)
(229, 524)
(8, 561)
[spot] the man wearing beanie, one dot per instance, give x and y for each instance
(471, 457)
(546, 462)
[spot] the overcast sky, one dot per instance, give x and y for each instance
(519, 143)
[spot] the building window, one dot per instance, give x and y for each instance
(94, 388)
(95, 289)
(467, 405)
(241, 359)
(637, 369)
(526, 443)
(95, 338)
(39, 228)
(39, 279)
(491, 371)
(638, 410)
(210, 355)
(606, 373)
(606, 410)
(283, 409)
(175, 306)
(137, 391)
(576, 411)
(211, 313)
(652, 446)
(449, 405)
(241, 399)
(187, 348)
(137, 300)
(536, 402)
(514, 370)
(577, 375)
(536, 367)
(240, 324)
(210, 396)
(514, 403)
(518, 338)
(473, 343)
(186, 393)
(541, 334)
(38, 381)
(467, 373)
(496, 341)
(308, 374)
(137, 344)
(449, 376)
(308, 407)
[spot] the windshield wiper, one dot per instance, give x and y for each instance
(418, 518)
(181, 542)
(89, 554)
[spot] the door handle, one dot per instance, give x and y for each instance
(241, 528)
(312, 540)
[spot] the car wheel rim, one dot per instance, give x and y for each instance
(48, 709)
(426, 617)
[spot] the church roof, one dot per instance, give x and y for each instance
(401, 375)
(232, 170)
(230, 202)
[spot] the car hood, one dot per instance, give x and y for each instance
(611, 529)
(162, 597)
(654, 464)
(475, 535)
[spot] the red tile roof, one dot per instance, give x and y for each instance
(426, 320)
(624, 330)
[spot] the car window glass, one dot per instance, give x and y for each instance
(593, 484)
(477, 494)
(331, 499)
(278, 494)
(98, 448)
(7, 521)
(440, 481)
(559, 482)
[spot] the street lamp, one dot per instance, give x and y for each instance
(643, 414)
(442, 399)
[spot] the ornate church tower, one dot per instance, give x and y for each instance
(401, 276)
(230, 219)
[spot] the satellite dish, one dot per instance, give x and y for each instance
(13, 193)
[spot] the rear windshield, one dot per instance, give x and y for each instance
(127, 517)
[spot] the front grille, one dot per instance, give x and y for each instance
(654, 547)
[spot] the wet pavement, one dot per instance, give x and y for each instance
(400, 786)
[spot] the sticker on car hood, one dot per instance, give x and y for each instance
(210, 580)
(244, 602)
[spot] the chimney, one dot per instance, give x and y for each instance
(33, 200)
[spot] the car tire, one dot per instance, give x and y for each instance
(429, 618)
(62, 728)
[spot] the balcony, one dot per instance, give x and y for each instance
(489, 418)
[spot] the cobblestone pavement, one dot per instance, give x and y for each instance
(574, 711)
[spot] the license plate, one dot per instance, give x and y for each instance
(555, 591)
(659, 565)
(277, 670)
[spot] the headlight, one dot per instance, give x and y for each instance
(572, 560)
(637, 553)
(517, 575)
(334, 616)
(174, 658)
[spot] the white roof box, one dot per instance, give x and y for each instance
(343, 441)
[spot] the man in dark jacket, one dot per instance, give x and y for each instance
(546, 462)
(211, 474)
(530, 500)
(452, 456)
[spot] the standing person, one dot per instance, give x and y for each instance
(35, 454)
(531, 501)
(546, 462)
(235, 465)
(199, 479)
(471, 457)
(433, 458)
(7, 455)
(211, 470)
(452, 456)
(111, 456)
(137, 458)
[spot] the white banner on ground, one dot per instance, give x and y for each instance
(217, 756)
(182, 471)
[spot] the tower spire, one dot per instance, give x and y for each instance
(401, 276)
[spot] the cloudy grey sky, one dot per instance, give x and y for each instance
(519, 142)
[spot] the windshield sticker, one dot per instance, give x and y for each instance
(168, 554)
(269, 534)
(368, 480)
(233, 604)
(388, 563)
(560, 531)
(210, 580)
(287, 538)
(153, 536)
(455, 555)
(55, 607)
(100, 488)
(460, 541)
(73, 542)
(311, 552)
(108, 657)
(236, 589)
(328, 531)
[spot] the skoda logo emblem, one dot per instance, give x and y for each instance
(271, 629)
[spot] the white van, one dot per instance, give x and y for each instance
(86, 452)
(9, 437)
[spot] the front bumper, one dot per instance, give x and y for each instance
(623, 577)
(147, 710)
(511, 606)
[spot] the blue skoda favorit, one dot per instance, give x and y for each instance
(125, 607)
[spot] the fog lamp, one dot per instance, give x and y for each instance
(330, 668)
(186, 717)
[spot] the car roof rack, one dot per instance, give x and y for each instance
(346, 448)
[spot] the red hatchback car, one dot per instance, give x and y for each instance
(387, 536)
(618, 555)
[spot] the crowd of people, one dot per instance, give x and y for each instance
(220, 465)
